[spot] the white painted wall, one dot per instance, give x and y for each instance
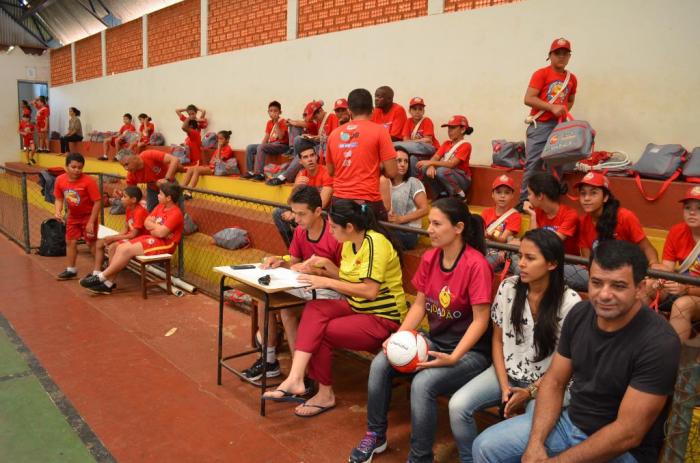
(637, 61)
(14, 67)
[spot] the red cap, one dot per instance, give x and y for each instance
(692, 193)
(560, 43)
(457, 121)
(503, 180)
(340, 103)
(311, 108)
(594, 179)
(416, 101)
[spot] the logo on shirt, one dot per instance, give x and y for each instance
(159, 220)
(344, 136)
(552, 90)
(72, 197)
(445, 296)
(155, 169)
(130, 223)
(151, 241)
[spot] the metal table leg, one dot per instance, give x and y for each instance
(266, 326)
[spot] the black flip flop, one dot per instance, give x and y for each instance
(287, 397)
(319, 407)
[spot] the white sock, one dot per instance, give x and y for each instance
(96, 272)
(282, 177)
(271, 355)
(108, 283)
(101, 276)
(72, 269)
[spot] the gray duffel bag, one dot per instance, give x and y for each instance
(570, 141)
(231, 238)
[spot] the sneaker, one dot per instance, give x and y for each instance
(254, 373)
(369, 445)
(89, 281)
(103, 158)
(248, 175)
(187, 196)
(100, 288)
(258, 177)
(67, 275)
(275, 181)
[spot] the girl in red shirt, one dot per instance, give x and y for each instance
(222, 154)
(146, 129)
(42, 123)
(26, 109)
(604, 219)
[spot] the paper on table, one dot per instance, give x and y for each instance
(103, 232)
(279, 277)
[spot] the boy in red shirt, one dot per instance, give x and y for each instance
(42, 123)
(389, 114)
(79, 193)
(119, 141)
(164, 226)
(551, 95)
(419, 140)
(356, 152)
(275, 141)
(447, 172)
(26, 130)
(135, 216)
(502, 192)
(151, 167)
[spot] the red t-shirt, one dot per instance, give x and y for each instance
(679, 244)
(154, 168)
(172, 219)
(311, 128)
(356, 150)
(512, 223)
(224, 154)
(27, 112)
(330, 125)
(628, 229)
(281, 135)
(127, 128)
(548, 82)
(321, 179)
(27, 129)
(194, 141)
(135, 216)
(565, 222)
(146, 131)
(464, 152)
(43, 112)
(393, 121)
(450, 295)
(79, 195)
(426, 129)
(325, 246)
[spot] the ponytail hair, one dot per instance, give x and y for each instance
(546, 184)
(75, 111)
(456, 211)
(226, 134)
(345, 211)
(607, 222)
(469, 130)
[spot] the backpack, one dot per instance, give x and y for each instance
(231, 238)
(691, 168)
(209, 140)
(181, 152)
(508, 154)
(570, 141)
(228, 167)
(53, 238)
(117, 207)
(131, 137)
(272, 169)
(156, 139)
(189, 226)
(661, 162)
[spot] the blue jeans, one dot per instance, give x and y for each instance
(447, 181)
(256, 155)
(506, 441)
(286, 229)
(479, 393)
(426, 386)
(537, 136)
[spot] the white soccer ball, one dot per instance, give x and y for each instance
(405, 349)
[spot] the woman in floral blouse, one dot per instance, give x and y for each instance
(527, 314)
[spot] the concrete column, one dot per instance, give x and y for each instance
(436, 6)
(72, 60)
(144, 37)
(292, 19)
(204, 27)
(103, 39)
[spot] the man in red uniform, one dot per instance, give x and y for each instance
(391, 115)
(151, 167)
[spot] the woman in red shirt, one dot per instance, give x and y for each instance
(222, 154)
(146, 129)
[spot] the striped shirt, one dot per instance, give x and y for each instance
(376, 260)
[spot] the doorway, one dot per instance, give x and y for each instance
(28, 90)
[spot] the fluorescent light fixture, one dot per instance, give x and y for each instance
(9, 49)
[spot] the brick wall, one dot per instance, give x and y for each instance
(174, 33)
(125, 47)
(88, 58)
(457, 5)
(61, 71)
(245, 23)
(322, 16)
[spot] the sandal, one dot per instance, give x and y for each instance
(319, 409)
(286, 397)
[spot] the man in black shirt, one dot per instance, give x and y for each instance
(623, 358)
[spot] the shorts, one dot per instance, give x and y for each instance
(28, 142)
(76, 230)
(41, 125)
(112, 141)
(152, 245)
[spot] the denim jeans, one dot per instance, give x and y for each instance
(506, 441)
(286, 229)
(426, 386)
(408, 240)
(256, 155)
(479, 393)
(537, 136)
(447, 181)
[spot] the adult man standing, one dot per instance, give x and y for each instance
(623, 358)
(551, 95)
(356, 151)
(151, 167)
(391, 115)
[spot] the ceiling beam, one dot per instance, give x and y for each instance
(92, 13)
(34, 8)
(23, 26)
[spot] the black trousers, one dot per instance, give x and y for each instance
(66, 139)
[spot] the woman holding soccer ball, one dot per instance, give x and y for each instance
(453, 282)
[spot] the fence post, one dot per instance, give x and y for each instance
(181, 245)
(100, 185)
(25, 214)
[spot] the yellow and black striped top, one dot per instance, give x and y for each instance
(377, 260)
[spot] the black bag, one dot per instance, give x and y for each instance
(53, 238)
